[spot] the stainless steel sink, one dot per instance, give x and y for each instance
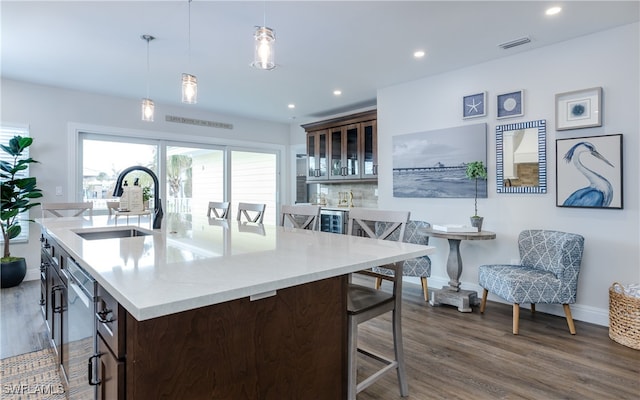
(111, 233)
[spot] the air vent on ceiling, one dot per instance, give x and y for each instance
(514, 43)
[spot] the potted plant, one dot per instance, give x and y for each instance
(476, 170)
(16, 198)
(146, 196)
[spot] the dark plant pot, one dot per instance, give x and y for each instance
(12, 273)
(477, 222)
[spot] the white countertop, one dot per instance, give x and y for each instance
(189, 264)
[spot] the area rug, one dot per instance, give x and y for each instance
(31, 376)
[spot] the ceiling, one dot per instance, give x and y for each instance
(355, 46)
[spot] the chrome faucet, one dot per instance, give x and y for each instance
(157, 204)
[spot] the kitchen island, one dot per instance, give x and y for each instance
(218, 309)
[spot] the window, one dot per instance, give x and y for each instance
(253, 180)
(104, 157)
(191, 174)
(6, 133)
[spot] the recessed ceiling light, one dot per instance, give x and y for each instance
(337, 92)
(553, 10)
(291, 106)
(419, 54)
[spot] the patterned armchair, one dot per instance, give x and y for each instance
(550, 263)
(421, 266)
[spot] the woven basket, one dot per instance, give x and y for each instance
(624, 318)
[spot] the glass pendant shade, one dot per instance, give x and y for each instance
(189, 89)
(147, 110)
(263, 57)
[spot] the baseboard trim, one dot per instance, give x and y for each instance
(580, 312)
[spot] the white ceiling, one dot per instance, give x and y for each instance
(355, 46)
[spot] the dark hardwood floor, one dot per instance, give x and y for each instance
(454, 355)
(449, 355)
(22, 326)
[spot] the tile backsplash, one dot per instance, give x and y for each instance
(364, 194)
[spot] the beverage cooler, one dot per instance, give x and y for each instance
(334, 221)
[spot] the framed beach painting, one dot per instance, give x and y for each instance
(433, 163)
(589, 172)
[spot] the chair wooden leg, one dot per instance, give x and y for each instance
(352, 381)
(533, 308)
(567, 312)
(483, 302)
(399, 352)
(378, 283)
(425, 288)
(516, 317)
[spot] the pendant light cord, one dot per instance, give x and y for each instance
(148, 38)
(189, 37)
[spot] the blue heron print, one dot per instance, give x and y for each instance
(599, 193)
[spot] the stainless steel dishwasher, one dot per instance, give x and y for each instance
(79, 333)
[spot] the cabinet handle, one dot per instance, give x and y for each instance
(90, 369)
(375, 169)
(102, 316)
(54, 307)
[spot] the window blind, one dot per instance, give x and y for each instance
(6, 133)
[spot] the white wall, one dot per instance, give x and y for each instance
(608, 59)
(53, 115)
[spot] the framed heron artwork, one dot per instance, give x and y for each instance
(589, 172)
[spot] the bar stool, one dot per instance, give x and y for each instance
(365, 303)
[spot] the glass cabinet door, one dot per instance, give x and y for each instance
(337, 166)
(345, 149)
(352, 151)
(317, 155)
(369, 134)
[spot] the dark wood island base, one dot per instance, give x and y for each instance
(288, 346)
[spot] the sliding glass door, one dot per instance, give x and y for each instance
(195, 176)
(254, 180)
(102, 160)
(190, 174)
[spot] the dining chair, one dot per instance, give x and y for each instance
(548, 273)
(219, 209)
(67, 209)
(112, 207)
(365, 303)
(417, 267)
(253, 212)
(301, 216)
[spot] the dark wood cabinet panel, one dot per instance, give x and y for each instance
(111, 377)
(288, 346)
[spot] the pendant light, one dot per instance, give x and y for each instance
(189, 82)
(264, 38)
(147, 103)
